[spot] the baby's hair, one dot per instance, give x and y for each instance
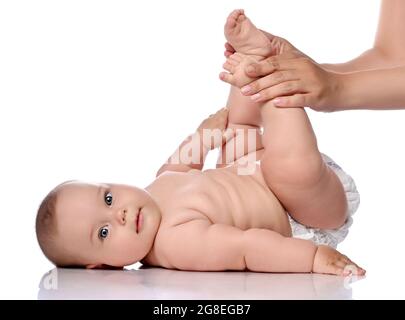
(46, 230)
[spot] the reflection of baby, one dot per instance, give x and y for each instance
(158, 283)
(215, 219)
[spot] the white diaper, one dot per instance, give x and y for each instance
(331, 237)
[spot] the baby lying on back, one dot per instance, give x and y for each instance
(216, 219)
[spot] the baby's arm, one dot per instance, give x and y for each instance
(199, 245)
(193, 150)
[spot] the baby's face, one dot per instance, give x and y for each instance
(106, 223)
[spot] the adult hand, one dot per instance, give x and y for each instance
(290, 78)
(293, 80)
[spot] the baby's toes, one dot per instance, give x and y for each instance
(233, 62)
(233, 18)
(229, 67)
(227, 77)
(237, 57)
(235, 14)
(231, 21)
(241, 16)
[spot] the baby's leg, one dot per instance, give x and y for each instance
(243, 35)
(292, 164)
(242, 110)
(244, 115)
(295, 171)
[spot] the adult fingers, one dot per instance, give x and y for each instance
(287, 88)
(298, 100)
(269, 81)
(271, 64)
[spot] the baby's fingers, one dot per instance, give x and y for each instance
(223, 111)
(229, 50)
(221, 118)
(342, 268)
(352, 268)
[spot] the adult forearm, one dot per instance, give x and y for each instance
(374, 58)
(373, 89)
(269, 251)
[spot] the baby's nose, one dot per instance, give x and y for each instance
(121, 215)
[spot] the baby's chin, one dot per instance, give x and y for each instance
(129, 258)
(125, 263)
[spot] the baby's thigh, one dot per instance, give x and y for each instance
(311, 192)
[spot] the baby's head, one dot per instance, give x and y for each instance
(96, 225)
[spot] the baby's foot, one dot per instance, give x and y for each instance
(235, 65)
(244, 37)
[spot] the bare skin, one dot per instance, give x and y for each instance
(218, 219)
(373, 80)
(244, 113)
(245, 37)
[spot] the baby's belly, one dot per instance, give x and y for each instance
(244, 200)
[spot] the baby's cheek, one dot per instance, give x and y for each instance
(125, 249)
(120, 255)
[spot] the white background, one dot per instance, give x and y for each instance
(106, 90)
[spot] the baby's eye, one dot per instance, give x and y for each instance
(108, 198)
(103, 233)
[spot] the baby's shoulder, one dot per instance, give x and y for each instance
(180, 229)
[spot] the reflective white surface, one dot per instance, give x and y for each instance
(157, 283)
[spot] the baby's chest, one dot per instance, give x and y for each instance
(220, 195)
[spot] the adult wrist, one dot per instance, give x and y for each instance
(335, 95)
(346, 96)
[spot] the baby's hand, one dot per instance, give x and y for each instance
(330, 261)
(218, 120)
